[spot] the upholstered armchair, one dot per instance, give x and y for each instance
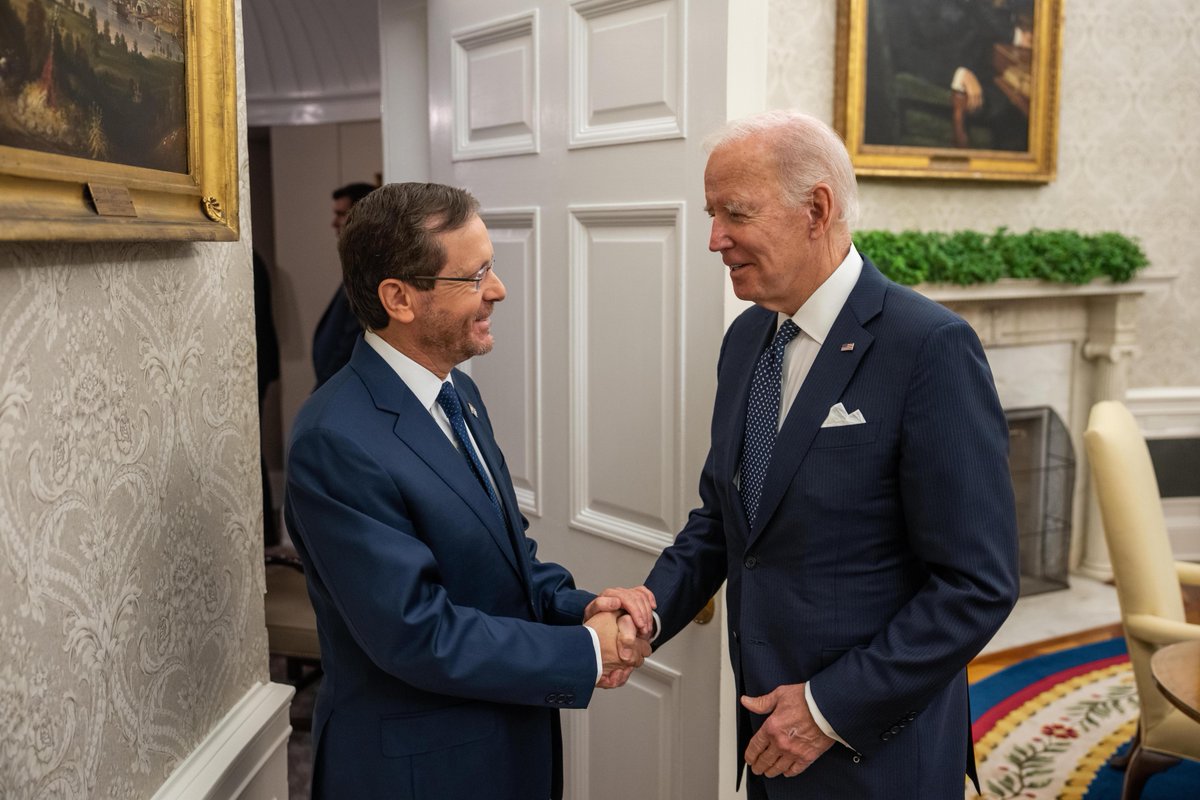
(1148, 584)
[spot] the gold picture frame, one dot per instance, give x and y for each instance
(45, 195)
(906, 110)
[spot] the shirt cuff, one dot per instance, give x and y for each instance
(657, 626)
(819, 718)
(599, 659)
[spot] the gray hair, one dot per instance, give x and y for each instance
(807, 152)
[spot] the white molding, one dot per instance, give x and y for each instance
(463, 41)
(1166, 412)
(582, 132)
(242, 755)
(529, 498)
(584, 516)
(1022, 289)
(310, 109)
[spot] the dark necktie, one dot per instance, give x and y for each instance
(762, 419)
(448, 399)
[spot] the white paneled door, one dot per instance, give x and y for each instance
(577, 125)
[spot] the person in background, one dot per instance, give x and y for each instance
(338, 330)
(448, 647)
(856, 500)
(266, 344)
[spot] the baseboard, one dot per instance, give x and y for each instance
(244, 757)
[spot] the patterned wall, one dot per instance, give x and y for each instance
(1128, 160)
(130, 510)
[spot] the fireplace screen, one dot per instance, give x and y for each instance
(1042, 465)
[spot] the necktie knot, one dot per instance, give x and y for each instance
(787, 331)
(448, 399)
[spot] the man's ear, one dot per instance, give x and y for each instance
(821, 213)
(398, 300)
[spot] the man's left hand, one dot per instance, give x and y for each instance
(789, 740)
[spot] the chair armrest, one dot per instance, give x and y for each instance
(1189, 573)
(1156, 630)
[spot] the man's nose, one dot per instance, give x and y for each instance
(493, 287)
(718, 240)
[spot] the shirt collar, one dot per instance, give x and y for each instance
(820, 311)
(420, 381)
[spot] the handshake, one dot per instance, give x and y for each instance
(623, 619)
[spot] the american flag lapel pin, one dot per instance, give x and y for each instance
(471, 408)
(847, 347)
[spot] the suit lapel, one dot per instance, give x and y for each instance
(822, 388)
(489, 451)
(417, 429)
(742, 356)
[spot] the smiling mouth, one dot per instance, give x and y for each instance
(735, 267)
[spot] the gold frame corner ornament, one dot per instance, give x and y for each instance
(45, 196)
(1036, 164)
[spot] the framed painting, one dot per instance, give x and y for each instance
(118, 120)
(950, 88)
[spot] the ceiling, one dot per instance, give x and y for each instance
(311, 61)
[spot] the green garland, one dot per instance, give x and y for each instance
(970, 257)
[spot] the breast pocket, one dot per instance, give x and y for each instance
(846, 435)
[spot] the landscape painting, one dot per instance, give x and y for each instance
(98, 79)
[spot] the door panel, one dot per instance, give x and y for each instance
(572, 123)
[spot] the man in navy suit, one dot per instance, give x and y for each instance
(448, 648)
(856, 498)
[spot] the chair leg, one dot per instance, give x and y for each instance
(1143, 764)
(1119, 763)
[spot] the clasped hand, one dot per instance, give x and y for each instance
(623, 621)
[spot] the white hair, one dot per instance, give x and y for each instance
(807, 152)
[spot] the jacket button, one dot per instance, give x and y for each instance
(570, 698)
(885, 736)
(751, 562)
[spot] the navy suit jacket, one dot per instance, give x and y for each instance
(334, 338)
(884, 555)
(447, 647)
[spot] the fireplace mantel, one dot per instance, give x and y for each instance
(1099, 323)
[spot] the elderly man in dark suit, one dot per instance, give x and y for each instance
(856, 498)
(448, 647)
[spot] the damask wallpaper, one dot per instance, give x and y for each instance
(1128, 158)
(130, 509)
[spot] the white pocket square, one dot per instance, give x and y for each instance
(838, 417)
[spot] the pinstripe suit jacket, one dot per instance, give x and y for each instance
(884, 555)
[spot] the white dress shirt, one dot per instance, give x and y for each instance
(425, 385)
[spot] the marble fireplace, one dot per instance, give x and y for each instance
(1062, 347)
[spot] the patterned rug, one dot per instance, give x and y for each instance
(1045, 728)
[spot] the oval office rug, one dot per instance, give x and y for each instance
(1045, 728)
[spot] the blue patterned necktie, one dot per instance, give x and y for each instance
(762, 419)
(448, 399)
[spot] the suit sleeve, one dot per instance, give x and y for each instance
(690, 571)
(959, 521)
(384, 583)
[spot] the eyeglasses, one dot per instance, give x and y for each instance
(477, 279)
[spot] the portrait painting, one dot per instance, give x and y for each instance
(117, 119)
(950, 88)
